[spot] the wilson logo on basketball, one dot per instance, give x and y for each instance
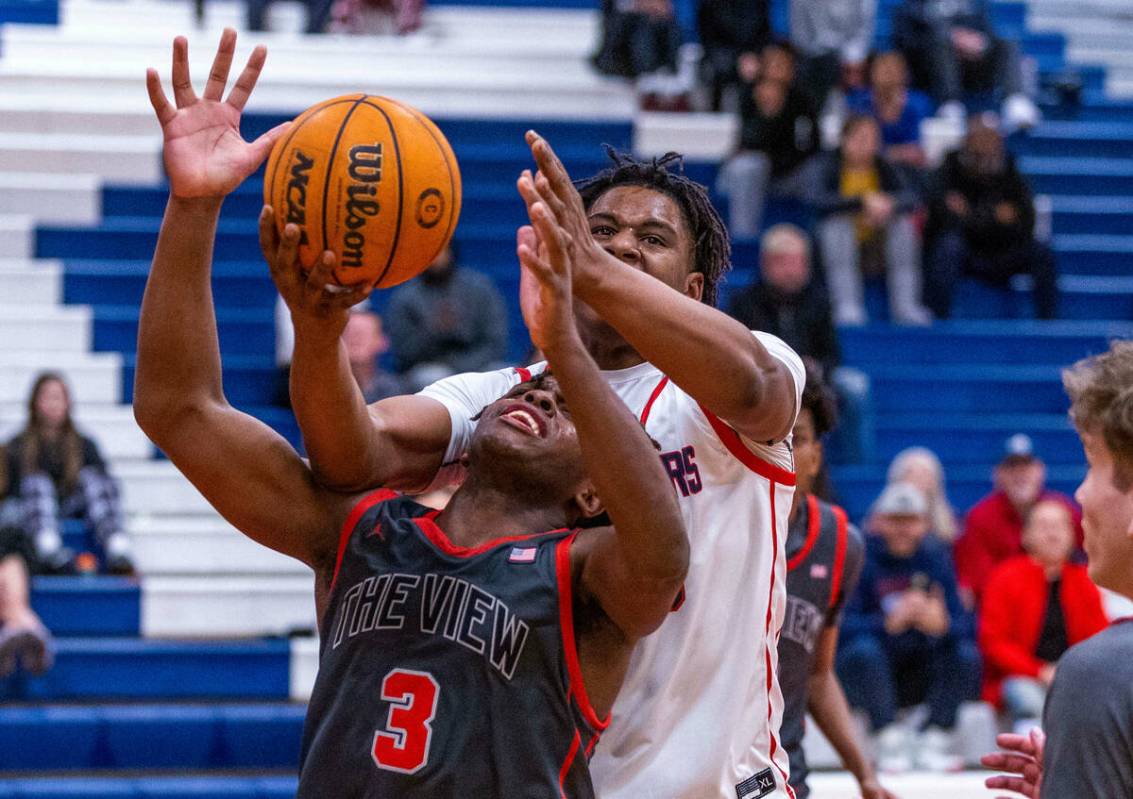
(366, 171)
(296, 198)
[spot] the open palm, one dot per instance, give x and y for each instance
(205, 155)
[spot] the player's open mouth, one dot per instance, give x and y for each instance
(523, 418)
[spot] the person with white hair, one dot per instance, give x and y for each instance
(921, 467)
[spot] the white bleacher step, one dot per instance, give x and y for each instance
(17, 234)
(304, 667)
(203, 545)
(226, 606)
(111, 426)
(58, 330)
(134, 159)
(28, 282)
(93, 377)
(156, 487)
(58, 112)
(52, 198)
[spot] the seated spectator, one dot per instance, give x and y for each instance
(377, 16)
(906, 637)
(1035, 607)
(24, 641)
(787, 302)
(982, 224)
(57, 473)
(898, 110)
(639, 37)
(318, 14)
(730, 29)
(365, 343)
(993, 531)
(920, 467)
(833, 38)
(955, 54)
(778, 132)
(449, 320)
(866, 226)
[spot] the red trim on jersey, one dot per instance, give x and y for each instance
(839, 554)
(356, 513)
(813, 526)
(590, 746)
(575, 743)
(767, 637)
(566, 622)
(731, 439)
(664, 381)
(441, 541)
(524, 374)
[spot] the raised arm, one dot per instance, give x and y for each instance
(245, 470)
(636, 568)
(708, 354)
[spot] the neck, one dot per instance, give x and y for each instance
(611, 351)
(480, 512)
(1052, 570)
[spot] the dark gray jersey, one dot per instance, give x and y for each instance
(1088, 719)
(824, 561)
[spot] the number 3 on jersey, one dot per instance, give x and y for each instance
(403, 746)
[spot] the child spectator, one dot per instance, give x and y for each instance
(1035, 607)
(778, 132)
(898, 110)
(920, 467)
(993, 531)
(906, 637)
(24, 641)
(59, 473)
(866, 226)
(981, 224)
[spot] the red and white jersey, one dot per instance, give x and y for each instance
(698, 715)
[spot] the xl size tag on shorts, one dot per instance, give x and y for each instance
(758, 785)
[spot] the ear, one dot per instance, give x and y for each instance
(694, 285)
(587, 501)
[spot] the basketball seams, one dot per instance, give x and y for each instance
(330, 173)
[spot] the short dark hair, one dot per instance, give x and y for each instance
(819, 399)
(712, 250)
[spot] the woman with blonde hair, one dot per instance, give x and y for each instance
(921, 467)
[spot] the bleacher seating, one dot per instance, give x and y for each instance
(192, 670)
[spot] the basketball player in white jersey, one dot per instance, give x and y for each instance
(699, 713)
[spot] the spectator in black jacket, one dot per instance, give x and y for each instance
(639, 37)
(778, 132)
(787, 302)
(953, 50)
(982, 223)
(866, 225)
(728, 30)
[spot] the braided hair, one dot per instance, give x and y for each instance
(712, 251)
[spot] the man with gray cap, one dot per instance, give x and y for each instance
(906, 637)
(993, 530)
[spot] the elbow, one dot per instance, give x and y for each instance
(161, 419)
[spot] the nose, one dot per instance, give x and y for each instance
(623, 246)
(541, 399)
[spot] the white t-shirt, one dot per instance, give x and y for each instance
(698, 715)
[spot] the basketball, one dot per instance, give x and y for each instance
(369, 178)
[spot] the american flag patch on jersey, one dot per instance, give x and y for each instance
(522, 555)
(818, 571)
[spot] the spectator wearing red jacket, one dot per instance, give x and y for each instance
(993, 531)
(1035, 607)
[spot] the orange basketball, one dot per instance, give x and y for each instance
(369, 178)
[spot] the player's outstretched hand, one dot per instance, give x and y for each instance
(1022, 758)
(545, 251)
(551, 186)
(205, 155)
(313, 298)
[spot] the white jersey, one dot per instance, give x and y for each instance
(698, 715)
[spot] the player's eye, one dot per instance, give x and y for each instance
(602, 230)
(655, 241)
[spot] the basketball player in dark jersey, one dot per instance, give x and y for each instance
(824, 561)
(473, 652)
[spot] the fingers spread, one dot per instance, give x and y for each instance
(529, 259)
(161, 105)
(242, 90)
(183, 92)
(218, 75)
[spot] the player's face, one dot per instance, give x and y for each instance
(808, 452)
(1107, 514)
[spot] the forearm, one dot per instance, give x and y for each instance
(704, 351)
(178, 352)
(831, 712)
(624, 467)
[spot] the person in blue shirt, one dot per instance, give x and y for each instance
(906, 637)
(899, 110)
